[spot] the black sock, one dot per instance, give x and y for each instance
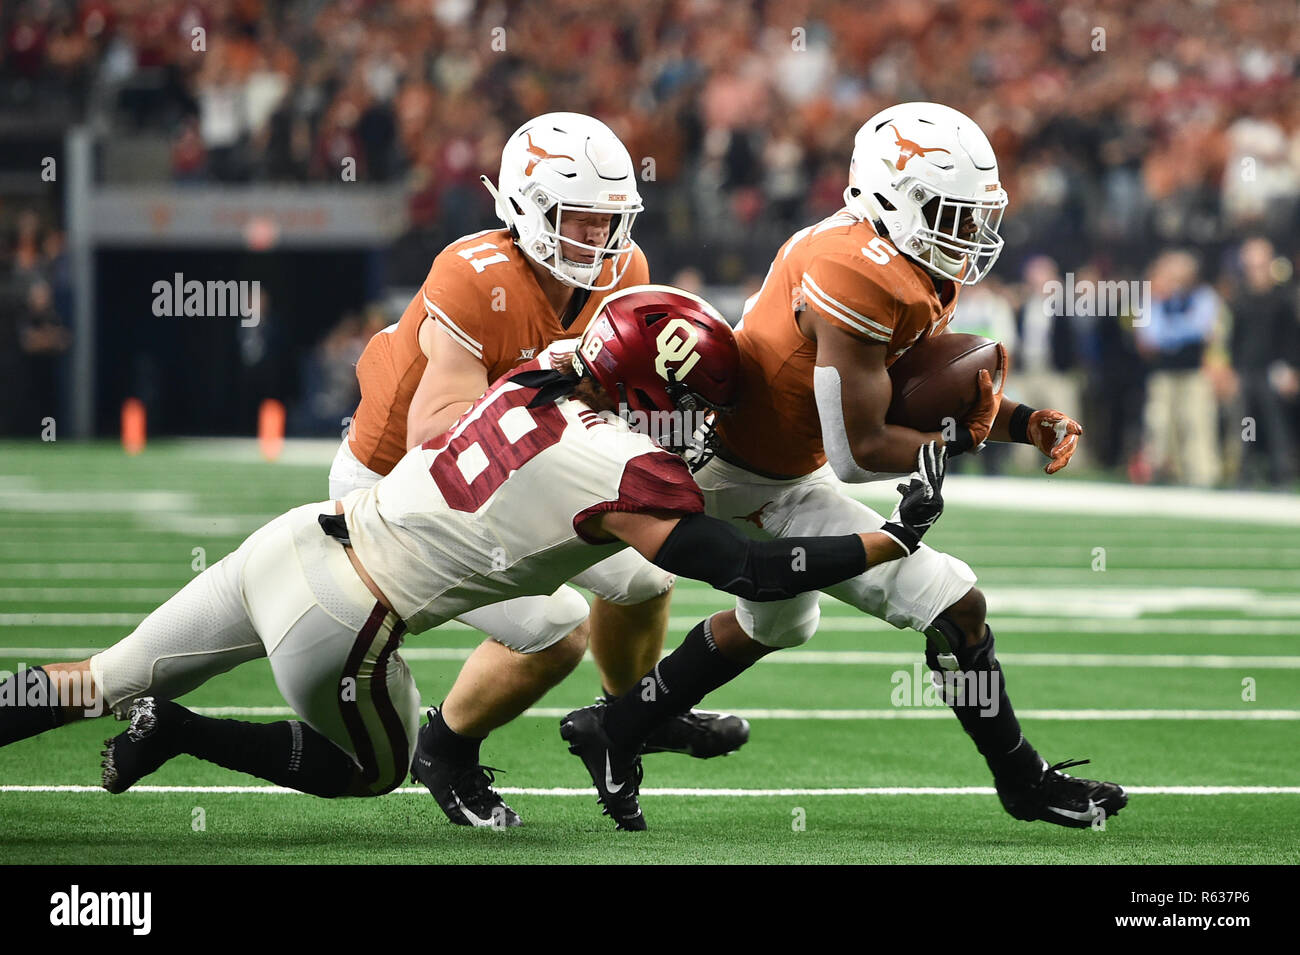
(998, 737)
(289, 753)
(27, 706)
(677, 683)
(450, 745)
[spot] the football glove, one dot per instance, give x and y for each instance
(1056, 435)
(974, 430)
(921, 502)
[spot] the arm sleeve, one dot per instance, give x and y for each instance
(843, 292)
(827, 387)
(451, 299)
(705, 548)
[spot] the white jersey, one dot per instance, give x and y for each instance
(490, 510)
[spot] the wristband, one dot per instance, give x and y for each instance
(1018, 426)
(905, 536)
(962, 441)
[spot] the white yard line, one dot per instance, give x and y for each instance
(81, 570)
(1056, 496)
(842, 658)
(108, 595)
(849, 623)
(893, 713)
(1038, 493)
(652, 791)
(1140, 660)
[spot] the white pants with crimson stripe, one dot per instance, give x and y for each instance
(290, 595)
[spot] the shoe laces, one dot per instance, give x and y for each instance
(633, 772)
(474, 786)
(1065, 764)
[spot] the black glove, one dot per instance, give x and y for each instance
(921, 502)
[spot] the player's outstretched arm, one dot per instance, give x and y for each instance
(710, 550)
(452, 381)
(1052, 432)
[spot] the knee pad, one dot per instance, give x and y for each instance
(540, 624)
(946, 648)
(788, 627)
(625, 579)
(645, 583)
(564, 611)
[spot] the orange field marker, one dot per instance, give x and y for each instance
(270, 428)
(133, 426)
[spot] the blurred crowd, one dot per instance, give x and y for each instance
(1177, 379)
(35, 319)
(1124, 131)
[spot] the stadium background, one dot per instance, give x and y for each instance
(1132, 619)
(1123, 131)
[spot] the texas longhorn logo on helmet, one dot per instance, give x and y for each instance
(539, 154)
(908, 149)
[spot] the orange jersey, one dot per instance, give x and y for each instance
(852, 278)
(482, 292)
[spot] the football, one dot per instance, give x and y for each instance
(937, 379)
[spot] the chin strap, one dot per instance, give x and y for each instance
(551, 385)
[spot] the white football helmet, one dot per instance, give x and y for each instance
(567, 162)
(928, 174)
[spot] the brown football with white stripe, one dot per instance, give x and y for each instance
(937, 379)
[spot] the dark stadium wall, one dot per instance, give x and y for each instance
(188, 370)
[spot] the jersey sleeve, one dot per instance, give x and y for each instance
(654, 481)
(455, 303)
(844, 292)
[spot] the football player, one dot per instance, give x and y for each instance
(843, 300)
(567, 194)
(538, 481)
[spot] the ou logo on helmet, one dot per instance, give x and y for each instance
(672, 348)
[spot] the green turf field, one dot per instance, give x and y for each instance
(1141, 666)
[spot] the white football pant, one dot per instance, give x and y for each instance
(290, 594)
(909, 592)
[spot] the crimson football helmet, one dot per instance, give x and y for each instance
(671, 361)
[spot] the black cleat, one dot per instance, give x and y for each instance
(1061, 799)
(699, 733)
(616, 773)
(464, 792)
(150, 742)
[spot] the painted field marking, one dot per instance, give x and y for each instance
(572, 791)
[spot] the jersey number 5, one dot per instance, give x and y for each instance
(879, 251)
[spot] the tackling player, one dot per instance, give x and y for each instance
(567, 194)
(538, 481)
(843, 300)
